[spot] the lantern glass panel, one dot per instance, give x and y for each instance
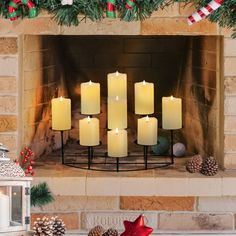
(16, 211)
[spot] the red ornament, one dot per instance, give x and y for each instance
(136, 228)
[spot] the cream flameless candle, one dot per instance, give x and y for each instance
(89, 132)
(171, 113)
(4, 210)
(90, 98)
(117, 85)
(117, 113)
(117, 143)
(147, 131)
(144, 98)
(61, 113)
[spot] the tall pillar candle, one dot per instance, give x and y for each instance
(147, 131)
(89, 132)
(117, 85)
(90, 98)
(117, 143)
(117, 113)
(4, 210)
(144, 98)
(61, 113)
(171, 113)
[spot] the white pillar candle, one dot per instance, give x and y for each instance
(117, 85)
(117, 113)
(117, 143)
(90, 98)
(61, 113)
(147, 131)
(89, 131)
(144, 98)
(171, 113)
(4, 210)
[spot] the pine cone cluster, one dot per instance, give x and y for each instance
(43, 226)
(96, 231)
(194, 164)
(111, 232)
(209, 166)
(58, 226)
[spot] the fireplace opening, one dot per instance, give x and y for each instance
(183, 66)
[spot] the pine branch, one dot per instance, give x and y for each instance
(41, 195)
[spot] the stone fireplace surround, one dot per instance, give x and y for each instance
(168, 197)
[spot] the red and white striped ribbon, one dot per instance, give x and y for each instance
(204, 11)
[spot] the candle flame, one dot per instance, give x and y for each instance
(144, 82)
(117, 130)
(89, 119)
(117, 98)
(61, 98)
(117, 73)
(147, 118)
(171, 97)
(90, 82)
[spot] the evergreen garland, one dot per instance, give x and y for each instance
(142, 9)
(41, 195)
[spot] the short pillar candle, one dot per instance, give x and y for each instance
(147, 131)
(117, 143)
(90, 98)
(61, 113)
(171, 113)
(89, 132)
(117, 113)
(144, 98)
(117, 85)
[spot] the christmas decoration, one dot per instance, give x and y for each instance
(13, 12)
(111, 11)
(66, 2)
(41, 195)
(179, 149)
(58, 226)
(162, 146)
(194, 164)
(43, 227)
(96, 231)
(136, 228)
(111, 232)
(204, 11)
(209, 166)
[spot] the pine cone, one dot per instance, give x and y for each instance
(96, 231)
(209, 166)
(43, 226)
(194, 164)
(111, 232)
(58, 226)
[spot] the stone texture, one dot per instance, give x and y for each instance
(72, 220)
(8, 65)
(8, 123)
(8, 45)
(186, 9)
(170, 11)
(229, 47)
(8, 104)
(195, 221)
(230, 124)
(229, 66)
(176, 26)
(230, 85)
(229, 105)
(114, 219)
(8, 85)
(77, 203)
(230, 142)
(157, 203)
(217, 204)
(9, 140)
(104, 27)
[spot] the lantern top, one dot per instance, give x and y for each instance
(3, 152)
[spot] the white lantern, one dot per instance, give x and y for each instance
(14, 197)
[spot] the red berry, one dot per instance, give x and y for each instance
(32, 173)
(32, 162)
(30, 168)
(17, 162)
(22, 153)
(26, 172)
